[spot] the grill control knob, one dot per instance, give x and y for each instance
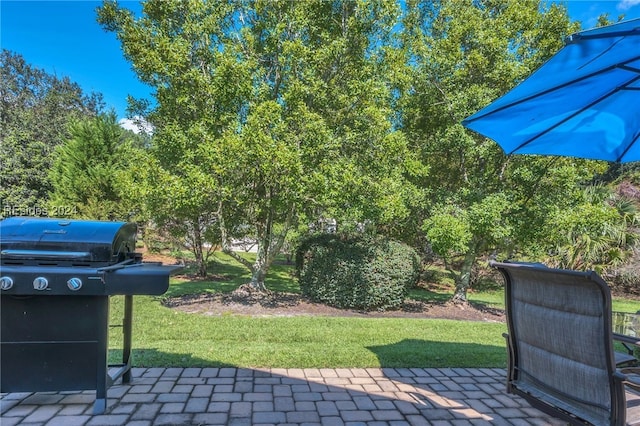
(74, 284)
(6, 283)
(40, 283)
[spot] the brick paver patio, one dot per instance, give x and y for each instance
(236, 396)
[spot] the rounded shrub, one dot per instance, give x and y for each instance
(356, 271)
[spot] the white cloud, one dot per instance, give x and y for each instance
(136, 125)
(627, 4)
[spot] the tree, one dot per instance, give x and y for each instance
(179, 205)
(275, 111)
(463, 54)
(91, 169)
(35, 108)
(599, 233)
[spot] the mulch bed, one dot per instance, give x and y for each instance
(246, 301)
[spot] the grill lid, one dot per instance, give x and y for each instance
(60, 241)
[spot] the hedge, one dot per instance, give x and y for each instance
(356, 271)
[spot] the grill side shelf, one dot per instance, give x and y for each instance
(140, 278)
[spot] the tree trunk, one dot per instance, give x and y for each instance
(269, 245)
(225, 241)
(259, 269)
(198, 248)
(464, 279)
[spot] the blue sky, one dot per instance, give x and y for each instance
(63, 38)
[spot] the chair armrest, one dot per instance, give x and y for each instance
(629, 343)
(630, 376)
(626, 339)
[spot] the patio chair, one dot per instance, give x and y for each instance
(560, 346)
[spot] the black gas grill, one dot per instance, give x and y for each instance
(56, 280)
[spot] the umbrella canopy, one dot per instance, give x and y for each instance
(584, 102)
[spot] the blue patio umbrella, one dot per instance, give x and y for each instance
(584, 102)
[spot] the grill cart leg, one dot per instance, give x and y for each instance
(126, 348)
(123, 370)
(102, 382)
(100, 406)
(107, 378)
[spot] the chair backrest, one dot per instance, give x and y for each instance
(560, 342)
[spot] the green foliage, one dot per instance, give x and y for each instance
(272, 115)
(452, 230)
(91, 168)
(35, 111)
(178, 205)
(448, 231)
(464, 55)
(268, 112)
(356, 271)
(598, 233)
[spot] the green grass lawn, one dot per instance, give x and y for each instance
(163, 337)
